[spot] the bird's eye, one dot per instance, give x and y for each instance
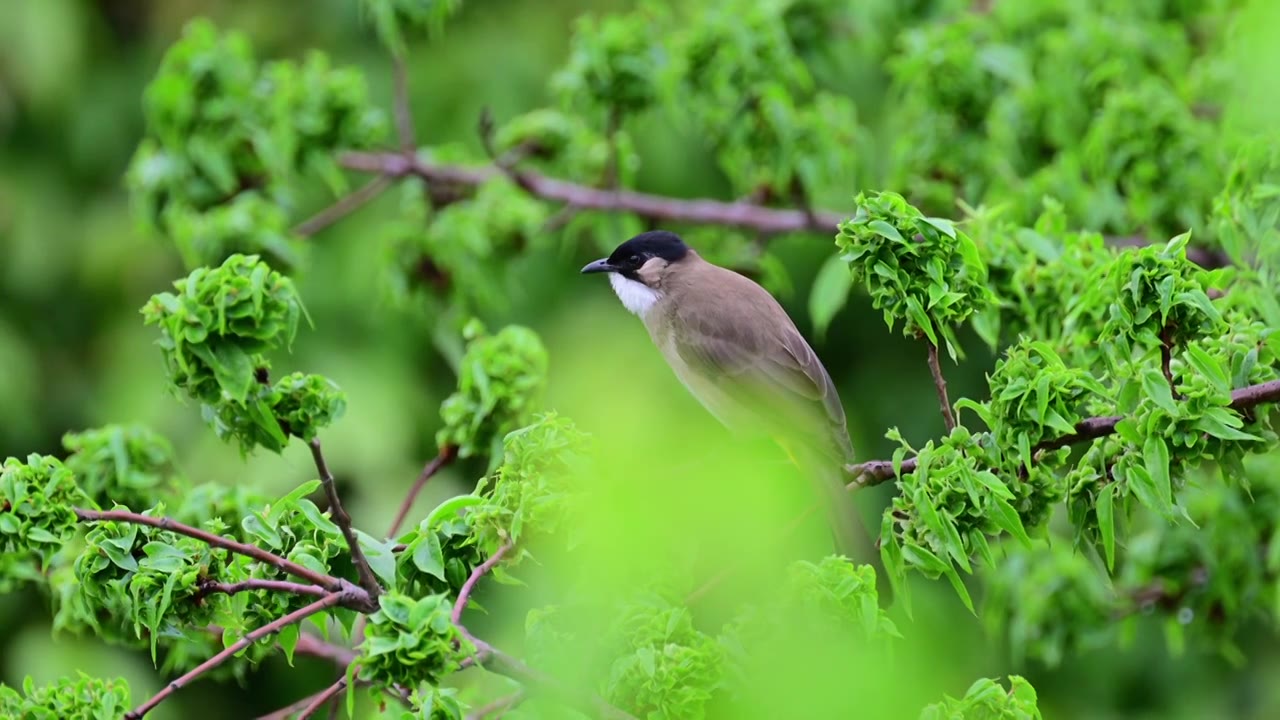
(634, 259)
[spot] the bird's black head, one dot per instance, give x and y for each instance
(628, 257)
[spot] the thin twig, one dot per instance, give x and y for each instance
(319, 699)
(741, 214)
(404, 116)
(583, 197)
(498, 707)
(497, 661)
(1166, 360)
(270, 628)
(368, 580)
(328, 582)
(940, 384)
(481, 570)
(444, 457)
(214, 588)
(343, 207)
(313, 646)
(875, 472)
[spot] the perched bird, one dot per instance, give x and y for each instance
(738, 352)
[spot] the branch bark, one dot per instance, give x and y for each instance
(940, 384)
(214, 588)
(875, 472)
(338, 586)
(343, 207)
(319, 699)
(445, 456)
(275, 626)
(368, 580)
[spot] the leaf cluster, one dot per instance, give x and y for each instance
(78, 698)
(37, 517)
(215, 332)
(229, 138)
(410, 641)
(130, 465)
(921, 271)
(987, 700)
(501, 380)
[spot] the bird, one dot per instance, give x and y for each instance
(738, 352)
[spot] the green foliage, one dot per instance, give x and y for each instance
(921, 271)
(79, 698)
(37, 517)
(1160, 297)
(841, 593)
(395, 21)
(987, 700)
(663, 666)
(501, 380)
(128, 465)
(612, 64)
(214, 334)
(534, 489)
(228, 141)
(411, 641)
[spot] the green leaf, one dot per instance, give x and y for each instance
(428, 555)
(829, 294)
(1007, 518)
(382, 560)
(1210, 368)
(1107, 523)
(885, 230)
(1156, 456)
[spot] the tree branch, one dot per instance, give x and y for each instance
(498, 707)
(582, 197)
(467, 587)
(319, 699)
(875, 472)
(433, 466)
(940, 384)
(343, 207)
(368, 580)
(328, 582)
(404, 117)
(214, 588)
(275, 626)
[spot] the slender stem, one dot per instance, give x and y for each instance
(1166, 360)
(875, 472)
(270, 628)
(583, 197)
(404, 116)
(511, 667)
(343, 207)
(661, 208)
(467, 587)
(315, 647)
(328, 582)
(498, 707)
(319, 699)
(368, 580)
(940, 384)
(214, 588)
(433, 466)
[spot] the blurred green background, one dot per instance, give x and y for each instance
(74, 270)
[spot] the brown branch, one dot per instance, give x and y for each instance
(433, 466)
(368, 580)
(404, 116)
(343, 207)
(513, 668)
(875, 472)
(498, 707)
(275, 626)
(313, 646)
(940, 384)
(214, 588)
(1166, 360)
(741, 214)
(582, 197)
(319, 699)
(328, 582)
(481, 570)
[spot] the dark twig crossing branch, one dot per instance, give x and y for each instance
(368, 580)
(343, 207)
(319, 699)
(214, 588)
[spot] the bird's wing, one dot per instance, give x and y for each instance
(766, 366)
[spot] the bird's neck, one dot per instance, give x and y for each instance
(635, 296)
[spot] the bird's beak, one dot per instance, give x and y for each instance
(598, 266)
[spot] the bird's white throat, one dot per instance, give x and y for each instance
(635, 296)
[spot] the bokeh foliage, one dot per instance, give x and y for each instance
(1039, 182)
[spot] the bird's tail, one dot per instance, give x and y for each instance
(850, 536)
